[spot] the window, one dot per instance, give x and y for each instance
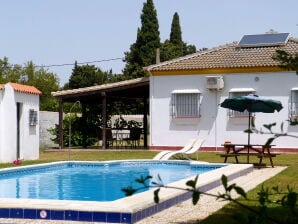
(293, 107)
(239, 92)
(32, 117)
(185, 103)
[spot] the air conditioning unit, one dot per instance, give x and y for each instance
(214, 82)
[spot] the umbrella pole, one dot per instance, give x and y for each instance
(248, 143)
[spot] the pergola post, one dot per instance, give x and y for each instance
(60, 130)
(145, 122)
(104, 120)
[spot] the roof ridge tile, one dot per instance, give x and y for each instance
(24, 88)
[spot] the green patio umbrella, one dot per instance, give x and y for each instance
(251, 103)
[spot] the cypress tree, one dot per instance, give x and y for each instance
(142, 52)
(176, 34)
(175, 47)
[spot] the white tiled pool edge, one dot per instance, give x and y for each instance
(129, 209)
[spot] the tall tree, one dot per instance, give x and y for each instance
(43, 80)
(8, 72)
(176, 34)
(86, 75)
(47, 83)
(142, 52)
(175, 47)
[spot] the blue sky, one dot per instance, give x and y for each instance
(52, 32)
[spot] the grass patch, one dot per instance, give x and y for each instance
(233, 214)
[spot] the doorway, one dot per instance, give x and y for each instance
(19, 114)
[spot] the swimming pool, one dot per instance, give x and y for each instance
(123, 210)
(91, 181)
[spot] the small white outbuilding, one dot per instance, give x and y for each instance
(19, 128)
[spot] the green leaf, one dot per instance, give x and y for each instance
(156, 196)
(275, 188)
(230, 187)
(192, 183)
(195, 197)
(128, 191)
(253, 123)
(269, 126)
(240, 191)
(159, 178)
(282, 127)
(142, 180)
(269, 142)
(224, 181)
(283, 201)
(292, 199)
(248, 131)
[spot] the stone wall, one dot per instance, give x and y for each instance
(47, 120)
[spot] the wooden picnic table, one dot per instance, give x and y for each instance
(260, 151)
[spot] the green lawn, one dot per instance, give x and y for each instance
(289, 177)
(226, 215)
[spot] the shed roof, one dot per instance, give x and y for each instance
(22, 88)
(25, 88)
(228, 56)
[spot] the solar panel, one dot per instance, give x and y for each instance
(262, 40)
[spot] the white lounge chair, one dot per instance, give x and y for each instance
(194, 149)
(187, 147)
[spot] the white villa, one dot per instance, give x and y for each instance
(19, 128)
(185, 94)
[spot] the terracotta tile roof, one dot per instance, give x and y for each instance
(24, 88)
(227, 56)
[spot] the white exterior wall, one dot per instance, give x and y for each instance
(8, 126)
(1, 119)
(214, 125)
(29, 135)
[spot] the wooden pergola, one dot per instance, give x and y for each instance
(102, 94)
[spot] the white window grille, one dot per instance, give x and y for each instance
(32, 117)
(293, 107)
(185, 104)
(239, 92)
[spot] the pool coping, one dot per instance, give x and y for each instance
(126, 210)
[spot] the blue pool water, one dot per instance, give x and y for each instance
(90, 181)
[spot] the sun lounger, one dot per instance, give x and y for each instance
(187, 147)
(194, 149)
